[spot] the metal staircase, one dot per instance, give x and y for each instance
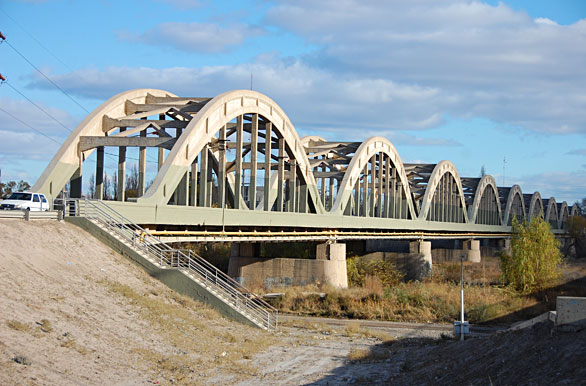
(162, 255)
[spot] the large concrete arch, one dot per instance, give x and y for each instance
(515, 191)
(68, 158)
(535, 200)
(442, 168)
(486, 182)
(365, 151)
(204, 126)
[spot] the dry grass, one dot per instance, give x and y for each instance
(191, 327)
(372, 355)
(374, 285)
(19, 326)
(68, 341)
(45, 325)
(487, 272)
(425, 302)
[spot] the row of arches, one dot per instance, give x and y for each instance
(239, 150)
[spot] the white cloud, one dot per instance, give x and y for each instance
(17, 146)
(492, 61)
(32, 116)
(196, 37)
(563, 186)
(313, 98)
(385, 65)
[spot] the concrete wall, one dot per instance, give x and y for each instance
(329, 267)
(287, 271)
(173, 278)
(570, 309)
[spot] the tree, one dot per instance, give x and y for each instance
(582, 205)
(92, 187)
(535, 260)
(107, 187)
(23, 186)
(132, 182)
(6, 189)
(577, 231)
(115, 186)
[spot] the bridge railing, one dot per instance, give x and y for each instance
(239, 297)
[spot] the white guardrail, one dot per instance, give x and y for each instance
(227, 289)
(30, 215)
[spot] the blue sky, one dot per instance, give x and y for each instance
(469, 81)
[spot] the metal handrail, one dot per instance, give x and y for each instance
(236, 295)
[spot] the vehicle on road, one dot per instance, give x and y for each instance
(34, 202)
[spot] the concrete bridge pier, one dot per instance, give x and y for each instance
(504, 245)
(472, 250)
(244, 250)
(335, 272)
(420, 256)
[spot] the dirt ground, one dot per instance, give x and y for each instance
(72, 312)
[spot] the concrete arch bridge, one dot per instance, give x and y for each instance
(233, 168)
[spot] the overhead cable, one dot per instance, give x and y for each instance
(29, 126)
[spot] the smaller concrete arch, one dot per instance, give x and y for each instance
(486, 182)
(551, 213)
(515, 205)
(575, 210)
(366, 150)
(441, 169)
(535, 206)
(564, 215)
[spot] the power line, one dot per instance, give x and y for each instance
(36, 40)
(29, 126)
(46, 77)
(52, 117)
(38, 107)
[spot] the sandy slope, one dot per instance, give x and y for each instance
(55, 272)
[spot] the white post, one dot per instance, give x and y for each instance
(462, 299)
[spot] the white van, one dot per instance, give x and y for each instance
(35, 202)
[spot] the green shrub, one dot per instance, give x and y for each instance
(358, 269)
(534, 262)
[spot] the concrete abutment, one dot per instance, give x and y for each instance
(328, 268)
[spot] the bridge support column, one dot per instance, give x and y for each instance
(505, 245)
(121, 171)
(99, 182)
(245, 250)
(141, 167)
(472, 250)
(421, 262)
(335, 273)
(75, 184)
